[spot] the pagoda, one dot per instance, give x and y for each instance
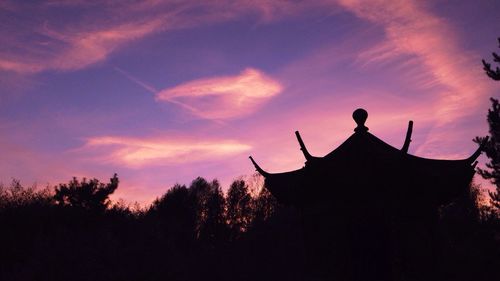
(370, 210)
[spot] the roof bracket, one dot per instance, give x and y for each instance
(406, 145)
(303, 147)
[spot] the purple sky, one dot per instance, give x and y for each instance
(161, 92)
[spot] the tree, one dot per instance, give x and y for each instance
(210, 208)
(175, 216)
(88, 195)
(264, 206)
(17, 195)
(491, 143)
(493, 74)
(239, 208)
(492, 149)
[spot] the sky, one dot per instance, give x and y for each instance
(161, 92)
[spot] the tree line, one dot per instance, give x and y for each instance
(73, 231)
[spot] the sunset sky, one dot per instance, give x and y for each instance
(161, 92)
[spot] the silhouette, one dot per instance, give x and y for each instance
(370, 211)
(239, 208)
(90, 195)
(492, 147)
(493, 74)
(366, 211)
(492, 151)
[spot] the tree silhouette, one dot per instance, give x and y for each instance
(17, 195)
(175, 216)
(493, 74)
(264, 206)
(239, 208)
(184, 236)
(210, 206)
(88, 195)
(492, 150)
(492, 142)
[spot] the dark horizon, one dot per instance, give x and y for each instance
(161, 92)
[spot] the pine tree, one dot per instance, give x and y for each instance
(86, 194)
(492, 150)
(493, 74)
(491, 143)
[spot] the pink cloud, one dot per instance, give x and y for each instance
(87, 48)
(447, 71)
(411, 29)
(76, 49)
(140, 152)
(48, 42)
(223, 97)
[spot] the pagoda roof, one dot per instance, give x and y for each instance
(364, 159)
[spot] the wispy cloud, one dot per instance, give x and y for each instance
(139, 152)
(223, 97)
(217, 98)
(411, 29)
(49, 41)
(88, 48)
(383, 52)
(450, 71)
(74, 49)
(137, 81)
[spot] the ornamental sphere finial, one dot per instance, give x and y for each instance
(360, 115)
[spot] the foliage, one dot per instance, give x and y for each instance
(18, 196)
(193, 232)
(264, 206)
(210, 206)
(86, 194)
(492, 150)
(239, 208)
(492, 141)
(493, 74)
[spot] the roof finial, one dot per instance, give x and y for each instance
(406, 145)
(359, 115)
(303, 147)
(259, 169)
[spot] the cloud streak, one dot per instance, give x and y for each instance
(220, 97)
(223, 97)
(49, 41)
(74, 49)
(449, 73)
(410, 29)
(140, 152)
